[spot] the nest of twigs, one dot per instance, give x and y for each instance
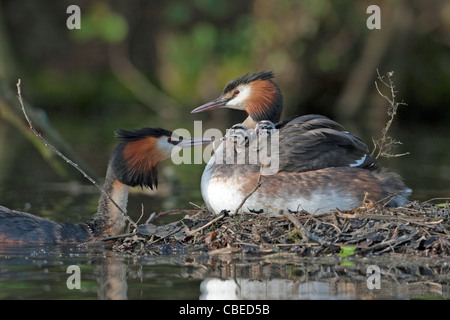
(420, 229)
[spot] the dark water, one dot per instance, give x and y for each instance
(40, 272)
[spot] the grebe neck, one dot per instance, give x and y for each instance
(109, 220)
(250, 123)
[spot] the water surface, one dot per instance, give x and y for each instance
(41, 272)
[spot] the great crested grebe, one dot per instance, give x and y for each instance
(132, 163)
(323, 141)
(321, 167)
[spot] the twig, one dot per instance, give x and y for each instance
(154, 215)
(142, 213)
(384, 145)
(258, 184)
(190, 233)
(327, 223)
(435, 199)
(297, 224)
(119, 236)
(195, 205)
(151, 218)
(13, 114)
(164, 237)
(389, 243)
(306, 235)
(73, 164)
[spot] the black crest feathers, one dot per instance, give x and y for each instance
(134, 161)
(247, 78)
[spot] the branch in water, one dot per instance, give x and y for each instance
(73, 164)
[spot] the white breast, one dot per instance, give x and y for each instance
(223, 194)
(206, 177)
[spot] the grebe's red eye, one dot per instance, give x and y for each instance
(169, 140)
(236, 92)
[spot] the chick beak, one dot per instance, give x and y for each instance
(217, 103)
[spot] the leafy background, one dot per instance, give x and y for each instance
(149, 63)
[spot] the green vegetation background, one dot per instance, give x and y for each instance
(149, 63)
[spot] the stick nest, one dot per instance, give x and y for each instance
(420, 229)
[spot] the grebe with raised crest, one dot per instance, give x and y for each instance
(132, 163)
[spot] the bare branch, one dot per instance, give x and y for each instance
(385, 144)
(73, 164)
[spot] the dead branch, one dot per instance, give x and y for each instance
(155, 215)
(190, 233)
(73, 164)
(14, 115)
(385, 144)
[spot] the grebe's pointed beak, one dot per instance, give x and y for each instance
(217, 103)
(193, 142)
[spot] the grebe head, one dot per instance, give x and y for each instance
(135, 159)
(255, 93)
(265, 127)
(239, 135)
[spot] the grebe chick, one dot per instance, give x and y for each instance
(239, 134)
(132, 163)
(265, 127)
